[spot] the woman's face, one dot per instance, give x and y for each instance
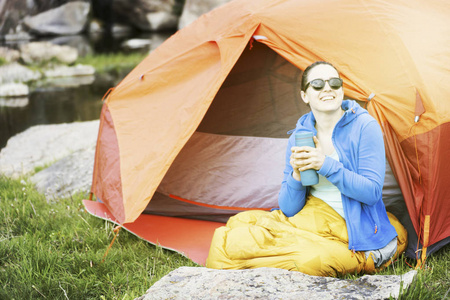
(327, 99)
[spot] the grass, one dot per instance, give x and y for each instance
(54, 250)
(114, 62)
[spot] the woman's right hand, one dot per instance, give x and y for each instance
(294, 164)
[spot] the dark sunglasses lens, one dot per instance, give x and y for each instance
(335, 83)
(317, 84)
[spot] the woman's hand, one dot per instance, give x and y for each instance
(305, 157)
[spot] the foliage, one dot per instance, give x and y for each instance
(55, 249)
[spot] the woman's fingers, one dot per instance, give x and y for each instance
(307, 160)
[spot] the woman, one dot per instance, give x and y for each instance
(337, 226)
(349, 158)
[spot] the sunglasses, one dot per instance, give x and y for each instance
(319, 84)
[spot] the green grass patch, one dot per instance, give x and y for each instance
(112, 62)
(39, 168)
(54, 250)
(50, 250)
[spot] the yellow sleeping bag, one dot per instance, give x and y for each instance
(314, 241)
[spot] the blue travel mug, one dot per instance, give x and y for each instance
(308, 177)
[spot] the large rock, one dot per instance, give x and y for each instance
(68, 175)
(11, 15)
(13, 89)
(67, 71)
(65, 81)
(14, 102)
(195, 8)
(43, 145)
(79, 42)
(270, 283)
(67, 19)
(15, 72)
(44, 52)
(146, 15)
(9, 55)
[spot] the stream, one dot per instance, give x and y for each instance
(66, 101)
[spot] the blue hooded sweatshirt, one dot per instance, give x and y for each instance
(359, 176)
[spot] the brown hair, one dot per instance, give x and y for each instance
(306, 72)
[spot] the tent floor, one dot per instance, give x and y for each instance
(188, 237)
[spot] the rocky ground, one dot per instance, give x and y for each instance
(59, 159)
(270, 283)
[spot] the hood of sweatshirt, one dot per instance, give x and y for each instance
(351, 111)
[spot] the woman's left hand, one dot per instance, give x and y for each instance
(308, 157)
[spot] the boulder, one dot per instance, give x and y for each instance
(67, 19)
(44, 52)
(160, 21)
(11, 15)
(65, 82)
(67, 71)
(79, 42)
(15, 72)
(195, 8)
(271, 283)
(14, 102)
(9, 55)
(136, 44)
(146, 15)
(13, 89)
(41, 146)
(69, 175)
(17, 36)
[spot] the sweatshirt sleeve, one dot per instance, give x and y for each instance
(291, 198)
(366, 184)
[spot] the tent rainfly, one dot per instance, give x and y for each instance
(197, 131)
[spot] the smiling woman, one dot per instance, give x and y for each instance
(346, 203)
(349, 158)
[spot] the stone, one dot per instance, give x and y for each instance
(160, 21)
(157, 38)
(67, 71)
(195, 8)
(95, 27)
(11, 15)
(270, 283)
(9, 55)
(66, 82)
(146, 15)
(13, 90)
(79, 42)
(43, 145)
(17, 36)
(67, 19)
(44, 52)
(15, 72)
(136, 44)
(69, 175)
(14, 102)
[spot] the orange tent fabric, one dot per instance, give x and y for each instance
(243, 60)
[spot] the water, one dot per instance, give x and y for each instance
(48, 104)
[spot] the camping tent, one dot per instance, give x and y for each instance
(197, 131)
